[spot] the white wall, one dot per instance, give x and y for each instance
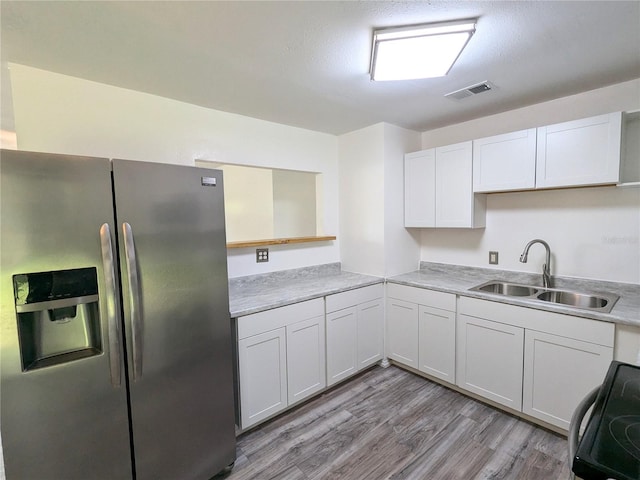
(362, 200)
(248, 202)
(593, 232)
(62, 114)
(402, 245)
(294, 204)
(374, 240)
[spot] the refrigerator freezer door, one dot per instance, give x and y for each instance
(64, 415)
(174, 273)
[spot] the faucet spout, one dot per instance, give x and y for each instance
(546, 268)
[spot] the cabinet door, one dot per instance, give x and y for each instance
(437, 343)
(402, 332)
(582, 152)
(558, 373)
(370, 332)
(455, 202)
(341, 344)
(262, 362)
(505, 162)
(306, 372)
(419, 189)
(489, 360)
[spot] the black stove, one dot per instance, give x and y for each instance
(610, 446)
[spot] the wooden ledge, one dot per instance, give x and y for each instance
(279, 241)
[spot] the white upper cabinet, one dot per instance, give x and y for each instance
(439, 189)
(505, 162)
(581, 152)
(456, 205)
(570, 154)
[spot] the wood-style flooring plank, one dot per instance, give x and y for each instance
(392, 424)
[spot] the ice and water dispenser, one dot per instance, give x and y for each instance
(58, 316)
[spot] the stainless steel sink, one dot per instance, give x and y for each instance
(510, 289)
(599, 302)
(573, 299)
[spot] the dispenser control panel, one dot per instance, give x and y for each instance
(55, 285)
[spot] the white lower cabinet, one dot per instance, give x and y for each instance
(490, 360)
(371, 331)
(558, 373)
(288, 354)
(342, 339)
(421, 330)
(262, 363)
(402, 332)
(305, 358)
(437, 340)
(281, 358)
(355, 320)
(537, 362)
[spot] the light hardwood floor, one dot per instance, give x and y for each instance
(392, 424)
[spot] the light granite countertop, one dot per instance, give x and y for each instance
(459, 279)
(256, 293)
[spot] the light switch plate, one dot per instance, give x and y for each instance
(493, 258)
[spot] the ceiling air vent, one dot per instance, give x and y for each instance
(470, 90)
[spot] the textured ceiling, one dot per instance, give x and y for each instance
(305, 63)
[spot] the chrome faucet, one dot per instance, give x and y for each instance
(546, 268)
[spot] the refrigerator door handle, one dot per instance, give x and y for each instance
(134, 300)
(113, 325)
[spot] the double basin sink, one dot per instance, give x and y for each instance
(597, 302)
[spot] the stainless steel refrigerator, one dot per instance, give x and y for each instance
(116, 354)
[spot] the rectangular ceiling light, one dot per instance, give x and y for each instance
(420, 51)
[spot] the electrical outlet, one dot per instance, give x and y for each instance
(262, 255)
(493, 258)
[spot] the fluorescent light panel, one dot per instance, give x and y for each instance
(422, 51)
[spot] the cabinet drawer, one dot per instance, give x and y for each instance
(357, 296)
(278, 317)
(422, 296)
(578, 328)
